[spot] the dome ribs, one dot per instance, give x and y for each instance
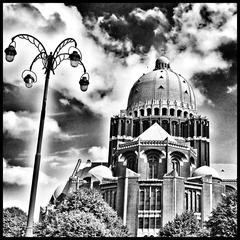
(162, 88)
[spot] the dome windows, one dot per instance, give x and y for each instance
(185, 114)
(164, 111)
(172, 112)
(149, 111)
(156, 111)
(162, 63)
(179, 113)
(142, 112)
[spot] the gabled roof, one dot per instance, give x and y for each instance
(155, 132)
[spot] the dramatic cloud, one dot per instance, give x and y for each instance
(23, 175)
(119, 42)
(23, 125)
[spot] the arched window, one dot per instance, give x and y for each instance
(198, 202)
(165, 125)
(156, 111)
(135, 113)
(175, 128)
(131, 160)
(122, 127)
(186, 201)
(141, 200)
(172, 112)
(179, 113)
(164, 111)
(136, 128)
(190, 115)
(198, 128)
(153, 166)
(185, 114)
(192, 161)
(149, 111)
(176, 166)
(142, 112)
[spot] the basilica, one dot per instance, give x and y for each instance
(158, 164)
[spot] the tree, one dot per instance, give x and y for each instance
(223, 220)
(74, 223)
(83, 213)
(183, 225)
(14, 222)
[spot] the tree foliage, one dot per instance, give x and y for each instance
(74, 223)
(83, 213)
(14, 222)
(223, 220)
(183, 225)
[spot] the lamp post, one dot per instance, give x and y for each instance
(50, 63)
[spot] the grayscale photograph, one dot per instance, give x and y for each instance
(119, 119)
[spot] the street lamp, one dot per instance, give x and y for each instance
(50, 63)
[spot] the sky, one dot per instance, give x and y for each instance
(119, 42)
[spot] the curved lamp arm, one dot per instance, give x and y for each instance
(84, 69)
(64, 56)
(63, 44)
(41, 55)
(59, 59)
(32, 40)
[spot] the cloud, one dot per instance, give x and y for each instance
(30, 17)
(23, 175)
(68, 158)
(206, 61)
(98, 154)
(65, 102)
(65, 159)
(232, 89)
(135, 33)
(22, 125)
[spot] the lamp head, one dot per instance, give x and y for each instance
(29, 78)
(84, 82)
(10, 52)
(74, 58)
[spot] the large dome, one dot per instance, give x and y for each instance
(205, 170)
(162, 84)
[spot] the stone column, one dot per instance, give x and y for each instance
(172, 197)
(195, 128)
(140, 126)
(206, 198)
(119, 127)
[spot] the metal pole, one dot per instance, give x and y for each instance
(29, 230)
